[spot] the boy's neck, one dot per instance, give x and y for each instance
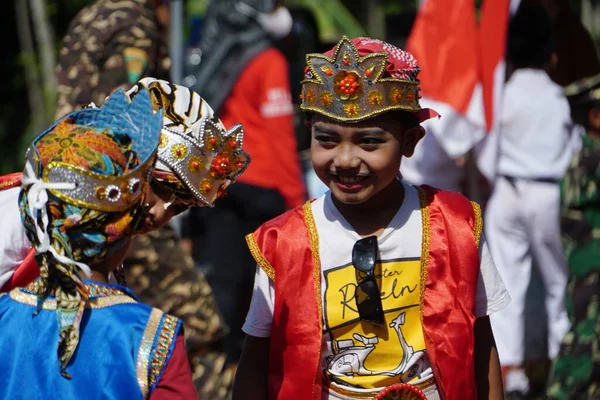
(98, 276)
(374, 215)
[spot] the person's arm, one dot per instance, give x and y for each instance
(252, 376)
(251, 379)
(488, 374)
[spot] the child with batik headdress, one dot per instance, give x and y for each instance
(197, 159)
(377, 289)
(70, 333)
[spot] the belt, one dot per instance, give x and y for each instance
(370, 394)
(512, 179)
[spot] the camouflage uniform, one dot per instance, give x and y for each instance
(576, 372)
(161, 273)
(110, 43)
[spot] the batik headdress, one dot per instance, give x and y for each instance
(194, 145)
(83, 184)
(362, 78)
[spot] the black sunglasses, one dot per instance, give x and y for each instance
(367, 294)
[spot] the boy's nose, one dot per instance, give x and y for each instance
(157, 213)
(346, 158)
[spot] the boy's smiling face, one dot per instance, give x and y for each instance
(358, 160)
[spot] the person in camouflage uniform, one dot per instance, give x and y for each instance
(111, 44)
(576, 371)
(160, 273)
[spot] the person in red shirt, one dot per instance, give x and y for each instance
(245, 78)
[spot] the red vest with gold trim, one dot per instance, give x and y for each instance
(28, 270)
(287, 247)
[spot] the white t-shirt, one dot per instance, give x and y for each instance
(14, 244)
(369, 356)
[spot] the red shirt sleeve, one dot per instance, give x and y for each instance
(277, 110)
(176, 382)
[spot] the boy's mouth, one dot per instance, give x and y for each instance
(349, 180)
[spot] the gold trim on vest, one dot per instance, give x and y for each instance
(259, 257)
(478, 225)
(164, 342)
(143, 359)
(424, 203)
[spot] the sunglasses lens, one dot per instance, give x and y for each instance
(368, 302)
(364, 254)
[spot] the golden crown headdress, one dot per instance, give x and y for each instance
(206, 162)
(349, 88)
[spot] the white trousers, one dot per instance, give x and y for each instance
(522, 224)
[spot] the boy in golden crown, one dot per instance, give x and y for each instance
(377, 288)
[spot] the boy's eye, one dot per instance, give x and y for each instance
(325, 139)
(370, 141)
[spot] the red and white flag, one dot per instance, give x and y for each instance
(462, 68)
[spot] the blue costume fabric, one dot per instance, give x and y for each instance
(123, 349)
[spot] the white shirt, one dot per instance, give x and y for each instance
(536, 139)
(14, 244)
(369, 354)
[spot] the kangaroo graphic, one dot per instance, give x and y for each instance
(350, 359)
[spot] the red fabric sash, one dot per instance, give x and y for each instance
(28, 270)
(10, 180)
(282, 247)
(295, 355)
(449, 297)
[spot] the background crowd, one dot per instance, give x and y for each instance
(517, 91)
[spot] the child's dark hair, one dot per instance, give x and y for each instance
(407, 120)
(581, 110)
(530, 37)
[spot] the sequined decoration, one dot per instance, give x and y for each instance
(310, 96)
(327, 98)
(205, 185)
(352, 109)
(396, 95)
(163, 345)
(179, 151)
(374, 97)
(195, 164)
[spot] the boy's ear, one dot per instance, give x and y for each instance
(410, 138)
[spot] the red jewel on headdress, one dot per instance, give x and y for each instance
(232, 143)
(239, 164)
(221, 166)
(346, 59)
(369, 71)
(348, 85)
(205, 185)
(328, 71)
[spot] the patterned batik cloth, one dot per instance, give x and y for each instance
(576, 371)
(109, 44)
(77, 232)
(163, 275)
